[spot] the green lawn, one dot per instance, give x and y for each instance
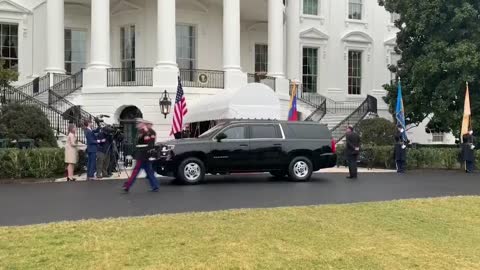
(415, 234)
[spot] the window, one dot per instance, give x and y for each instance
(310, 69)
(354, 72)
(127, 41)
(394, 17)
(261, 58)
(437, 137)
(265, 132)
(186, 47)
(9, 45)
(310, 7)
(235, 133)
(355, 9)
(75, 52)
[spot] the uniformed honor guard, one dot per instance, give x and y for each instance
(468, 151)
(145, 143)
(400, 149)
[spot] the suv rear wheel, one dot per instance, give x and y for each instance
(191, 171)
(300, 169)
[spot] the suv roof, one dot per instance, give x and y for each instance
(253, 121)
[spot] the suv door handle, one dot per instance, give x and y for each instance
(277, 144)
(243, 145)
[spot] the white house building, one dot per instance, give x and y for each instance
(117, 57)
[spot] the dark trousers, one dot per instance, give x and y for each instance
(401, 166)
(352, 166)
(469, 166)
(91, 162)
(147, 166)
(103, 160)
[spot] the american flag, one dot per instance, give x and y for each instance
(180, 110)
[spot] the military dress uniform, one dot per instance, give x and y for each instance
(400, 152)
(468, 152)
(145, 143)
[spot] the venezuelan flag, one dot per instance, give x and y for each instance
(293, 112)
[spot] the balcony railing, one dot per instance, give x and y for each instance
(129, 77)
(202, 78)
(38, 85)
(261, 78)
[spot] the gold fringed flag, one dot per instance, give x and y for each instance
(467, 115)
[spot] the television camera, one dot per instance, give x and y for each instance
(114, 132)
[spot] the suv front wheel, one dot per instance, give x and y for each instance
(300, 169)
(191, 171)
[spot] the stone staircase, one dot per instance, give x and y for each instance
(336, 115)
(332, 119)
(55, 101)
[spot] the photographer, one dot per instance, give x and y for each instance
(145, 143)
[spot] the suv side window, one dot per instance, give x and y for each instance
(265, 132)
(235, 133)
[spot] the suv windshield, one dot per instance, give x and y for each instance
(211, 131)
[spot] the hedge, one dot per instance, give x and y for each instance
(33, 163)
(49, 162)
(419, 158)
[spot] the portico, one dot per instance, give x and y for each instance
(156, 39)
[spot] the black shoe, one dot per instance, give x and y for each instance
(154, 189)
(351, 177)
(125, 189)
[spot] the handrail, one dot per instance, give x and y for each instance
(37, 85)
(369, 105)
(68, 85)
(321, 111)
(129, 77)
(58, 120)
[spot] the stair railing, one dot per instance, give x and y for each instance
(368, 106)
(59, 121)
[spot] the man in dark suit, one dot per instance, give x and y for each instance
(468, 151)
(91, 138)
(400, 150)
(352, 152)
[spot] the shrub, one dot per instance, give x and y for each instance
(21, 121)
(34, 163)
(377, 131)
(31, 163)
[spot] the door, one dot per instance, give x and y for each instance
(267, 147)
(232, 153)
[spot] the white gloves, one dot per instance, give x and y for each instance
(472, 147)
(404, 146)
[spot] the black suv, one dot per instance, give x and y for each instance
(282, 148)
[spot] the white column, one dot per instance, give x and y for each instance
(166, 35)
(293, 40)
(234, 77)
(231, 35)
(275, 38)
(55, 37)
(100, 37)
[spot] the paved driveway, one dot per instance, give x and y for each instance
(40, 203)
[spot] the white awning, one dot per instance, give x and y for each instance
(253, 101)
